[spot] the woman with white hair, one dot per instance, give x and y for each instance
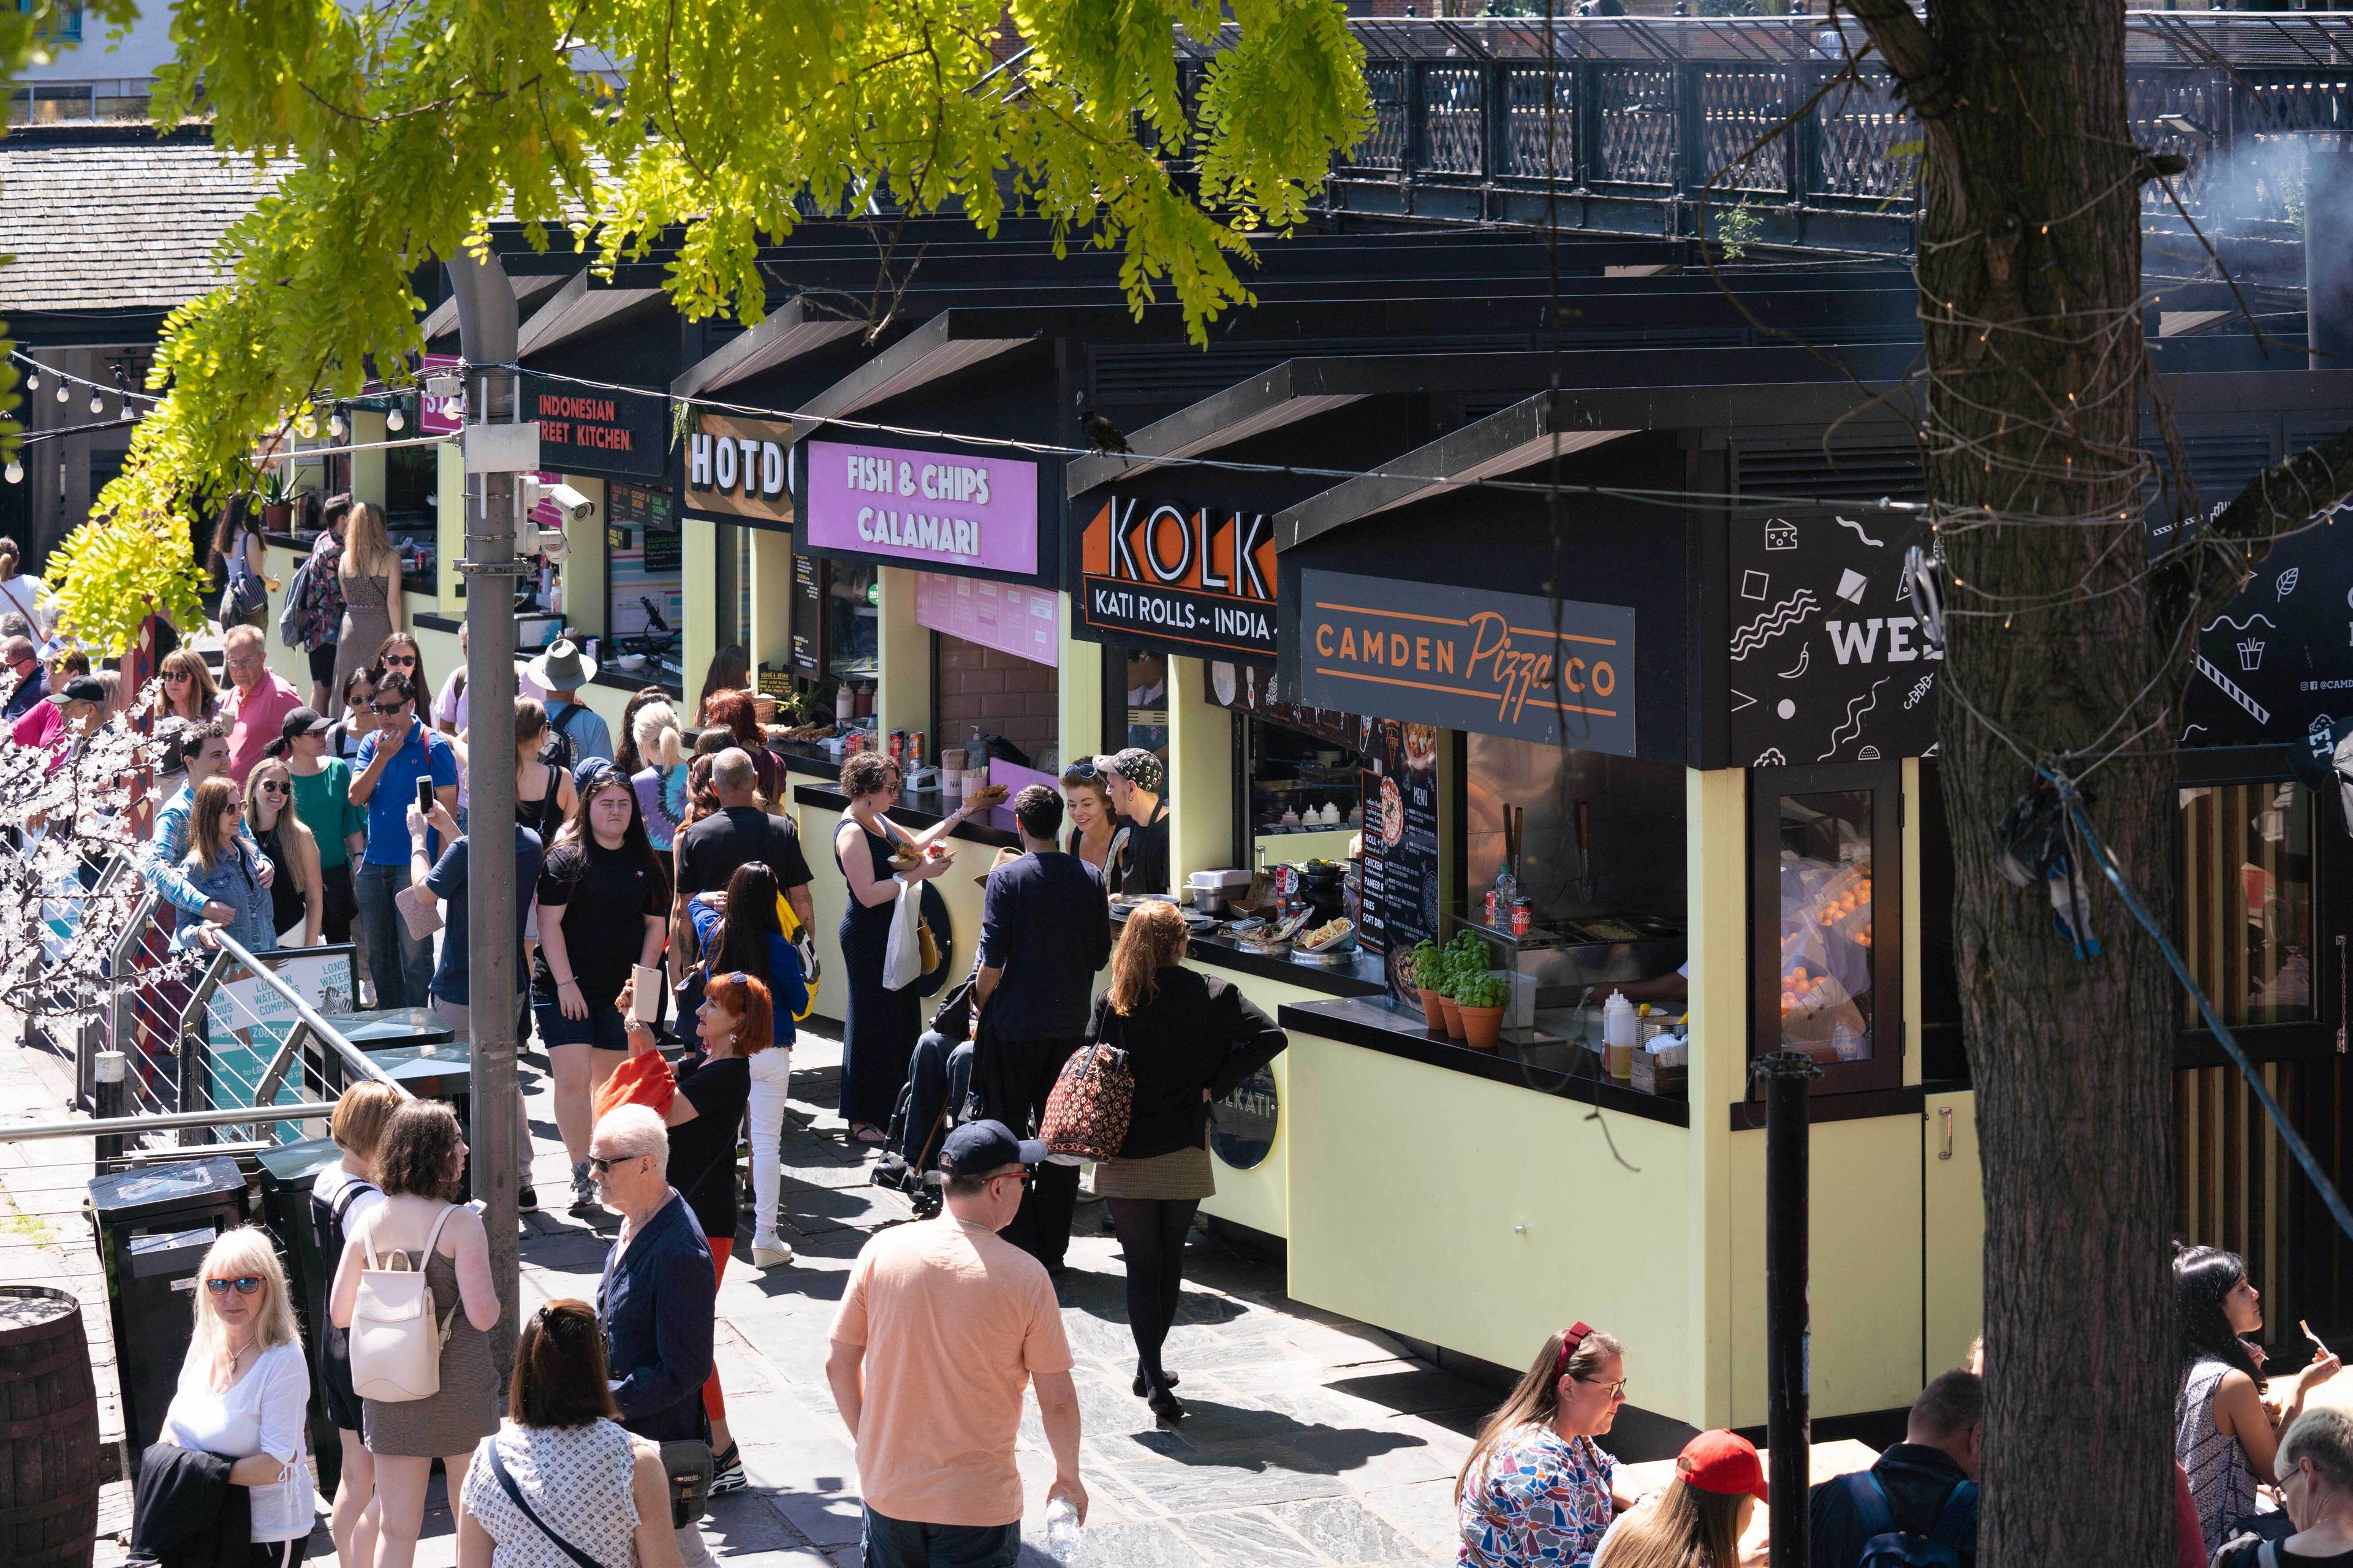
(245, 1391)
(661, 783)
(2315, 1466)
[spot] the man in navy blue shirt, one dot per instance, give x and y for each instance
(1944, 1441)
(401, 751)
(660, 1290)
(452, 985)
(1045, 930)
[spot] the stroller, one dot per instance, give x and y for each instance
(938, 1096)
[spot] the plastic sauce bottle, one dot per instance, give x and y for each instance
(1618, 1036)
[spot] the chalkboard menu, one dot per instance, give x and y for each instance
(1400, 887)
(809, 614)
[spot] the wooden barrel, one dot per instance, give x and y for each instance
(48, 1431)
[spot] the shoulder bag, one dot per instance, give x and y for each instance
(396, 1336)
(1093, 1097)
(514, 1495)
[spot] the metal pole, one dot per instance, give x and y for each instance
(1789, 1428)
(111, 1091)
(486, 336)
(164, 1121)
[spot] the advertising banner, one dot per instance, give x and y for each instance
(943, 512)
(1179, 577)
(587, 431)
(1464, 659)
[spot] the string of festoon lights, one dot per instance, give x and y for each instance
(39, 375)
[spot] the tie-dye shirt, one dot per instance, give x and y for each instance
(1537, 1500)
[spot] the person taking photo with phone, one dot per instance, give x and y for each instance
(393, 762)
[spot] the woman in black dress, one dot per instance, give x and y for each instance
(880, 1026)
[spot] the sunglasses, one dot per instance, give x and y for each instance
(1083, 771)
(177, 675)
(602, 1165)
(401, 660)
(270, 787)
(394, 708)
(243, 1284)
(1616, 1389)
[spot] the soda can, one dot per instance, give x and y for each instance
(898, 744)
(914, 748)
(1524, 915)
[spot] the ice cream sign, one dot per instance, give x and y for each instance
(941, 510)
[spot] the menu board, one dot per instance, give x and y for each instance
(1401, 885)
(809, 614)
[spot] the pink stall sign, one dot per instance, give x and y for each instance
(1024, 622)
(929, 509)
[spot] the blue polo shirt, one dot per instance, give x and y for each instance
(423, 753)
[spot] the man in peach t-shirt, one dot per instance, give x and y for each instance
(942, 1326)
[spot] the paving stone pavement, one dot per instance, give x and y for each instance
(1312, 1439)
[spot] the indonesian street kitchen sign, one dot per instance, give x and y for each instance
(958, 512)
(1180, 577)
(1464, 659)
(588, 430)
(735, 468)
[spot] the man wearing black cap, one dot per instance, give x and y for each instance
(77, 708)
(935, 1432)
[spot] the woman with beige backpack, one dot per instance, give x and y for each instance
(420, 1361)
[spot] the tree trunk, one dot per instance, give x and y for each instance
(2030, 277)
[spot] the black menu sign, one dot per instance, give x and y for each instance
(809, 614)
(1400, 883)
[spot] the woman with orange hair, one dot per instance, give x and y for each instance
(736, 1023)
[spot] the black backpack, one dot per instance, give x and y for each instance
(557, 751)
(1885, 1546)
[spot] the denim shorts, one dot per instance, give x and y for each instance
(602, 1028)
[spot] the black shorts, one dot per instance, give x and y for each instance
(322, 663)
(335, 1379)
(602, 1028)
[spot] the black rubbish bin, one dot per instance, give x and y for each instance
(287, 1172)
(154, 1224)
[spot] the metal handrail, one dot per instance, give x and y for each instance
(166, 1121)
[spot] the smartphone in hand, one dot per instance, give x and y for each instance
(425, 795)
(646, 1006)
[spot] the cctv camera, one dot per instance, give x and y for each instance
(555, 546)
(578, 507)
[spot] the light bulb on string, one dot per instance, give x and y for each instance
(64, 392)
(336, 423)
(96, 403)
(33, 381)
(395, 420)
(15, 472)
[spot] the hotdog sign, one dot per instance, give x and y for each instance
(1463, 658)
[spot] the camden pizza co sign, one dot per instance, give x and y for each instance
(1193, 579)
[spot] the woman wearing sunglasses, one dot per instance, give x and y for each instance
(244, 1392)
(1537, 1490)
(735, 1025)
(298, 895)
(219, 866)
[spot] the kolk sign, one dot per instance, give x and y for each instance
(583, 430)
(1197, 578)
(737, 467)
(1463, 658)
(939, 510)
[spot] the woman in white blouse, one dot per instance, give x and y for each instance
(245, 1388)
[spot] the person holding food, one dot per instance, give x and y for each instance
(878, 858)
(1138, 861)
(1189, 1040)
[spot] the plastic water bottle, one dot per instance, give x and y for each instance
(1062, 1529)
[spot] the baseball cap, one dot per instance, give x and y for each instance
(81, 688)
(304, 722)
(1725, 1463)
(976, 1148)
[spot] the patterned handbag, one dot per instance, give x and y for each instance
(1094, 1094)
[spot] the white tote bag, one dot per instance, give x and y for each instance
(902, 961)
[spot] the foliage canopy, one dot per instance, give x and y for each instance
(630, 129)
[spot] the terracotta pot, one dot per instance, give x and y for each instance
(1454, 1016)
(1431, 1013)
(1480, 1025)
(277, 516)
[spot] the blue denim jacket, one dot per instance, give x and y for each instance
(235, 883)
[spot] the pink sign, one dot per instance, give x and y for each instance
(934, 509)
(1025, 622)
(439, 415)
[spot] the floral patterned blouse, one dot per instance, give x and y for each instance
(1537, 1500)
